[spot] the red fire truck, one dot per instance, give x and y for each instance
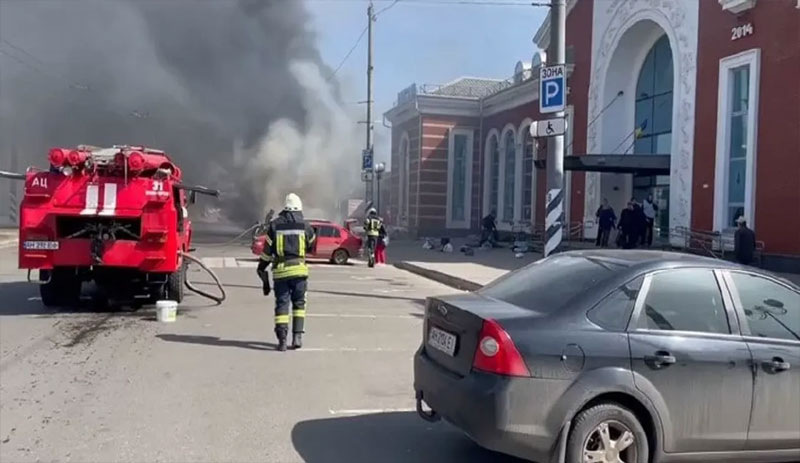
(114, 216)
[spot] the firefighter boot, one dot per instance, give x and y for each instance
(297, 340)
(281, 332)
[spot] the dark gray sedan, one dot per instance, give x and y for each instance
(619, 356)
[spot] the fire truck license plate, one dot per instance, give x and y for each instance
(442, 341)
(40, 245)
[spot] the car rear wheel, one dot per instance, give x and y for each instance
(607, 433)
(339, 257)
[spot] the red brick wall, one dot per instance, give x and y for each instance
(433, 176)
(579, 37)
(777, 33)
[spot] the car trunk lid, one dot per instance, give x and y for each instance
(453, 325)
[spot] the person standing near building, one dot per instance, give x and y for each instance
(489, 229)
(627, 227)
(606, 219)
(650, 209)
(380, 247)
(744, 242)
(372, 228)
(287, 239)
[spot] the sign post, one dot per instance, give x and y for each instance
(553, 99)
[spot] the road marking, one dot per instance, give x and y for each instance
(230, 262)
(370, 411)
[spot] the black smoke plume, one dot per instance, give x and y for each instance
(234, 90)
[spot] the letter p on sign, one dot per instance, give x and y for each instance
(552, 89)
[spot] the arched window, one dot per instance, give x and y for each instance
(654, 101)
(654, 127)
(509, 175)
(527, 174)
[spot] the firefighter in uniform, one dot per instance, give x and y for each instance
(288, 237)
(372, 227)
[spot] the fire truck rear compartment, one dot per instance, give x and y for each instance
(71, 226)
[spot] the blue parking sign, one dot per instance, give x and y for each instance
(366, 160)
(552, 89)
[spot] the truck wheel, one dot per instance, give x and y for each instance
(175, 284)
(63, 289)
(339, 257)
(607, 432)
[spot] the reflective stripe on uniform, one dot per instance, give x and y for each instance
(289, 271)
(279, 245)
(265, 257)
(290, 232)
(301, 251)
(282, 319)
(299, 313)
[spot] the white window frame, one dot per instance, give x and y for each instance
(466, 223)
(751, 58)
(522, 133)
(487, 173)
(501, 202)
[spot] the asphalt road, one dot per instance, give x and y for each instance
(90, 386)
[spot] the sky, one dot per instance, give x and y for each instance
(423, 44)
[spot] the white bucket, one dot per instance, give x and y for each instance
(166, 311)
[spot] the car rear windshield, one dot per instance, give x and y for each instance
(547, 285)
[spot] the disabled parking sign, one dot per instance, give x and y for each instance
(552, 89)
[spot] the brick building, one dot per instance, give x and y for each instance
(696, 102)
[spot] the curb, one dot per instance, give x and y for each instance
(449, 280)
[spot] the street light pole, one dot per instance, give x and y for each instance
(554, 208)
(370, 19)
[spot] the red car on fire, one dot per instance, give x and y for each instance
(334, 242)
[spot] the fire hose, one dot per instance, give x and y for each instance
(216, 298)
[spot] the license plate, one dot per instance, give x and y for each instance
(40, 245)
(442, 341)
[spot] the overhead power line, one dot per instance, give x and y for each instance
(355, 45)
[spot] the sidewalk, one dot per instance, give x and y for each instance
(455, 269)
(468, 273)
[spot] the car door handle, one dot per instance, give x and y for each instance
(660, 359)
(777, 365)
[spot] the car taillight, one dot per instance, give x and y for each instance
(496, 352)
